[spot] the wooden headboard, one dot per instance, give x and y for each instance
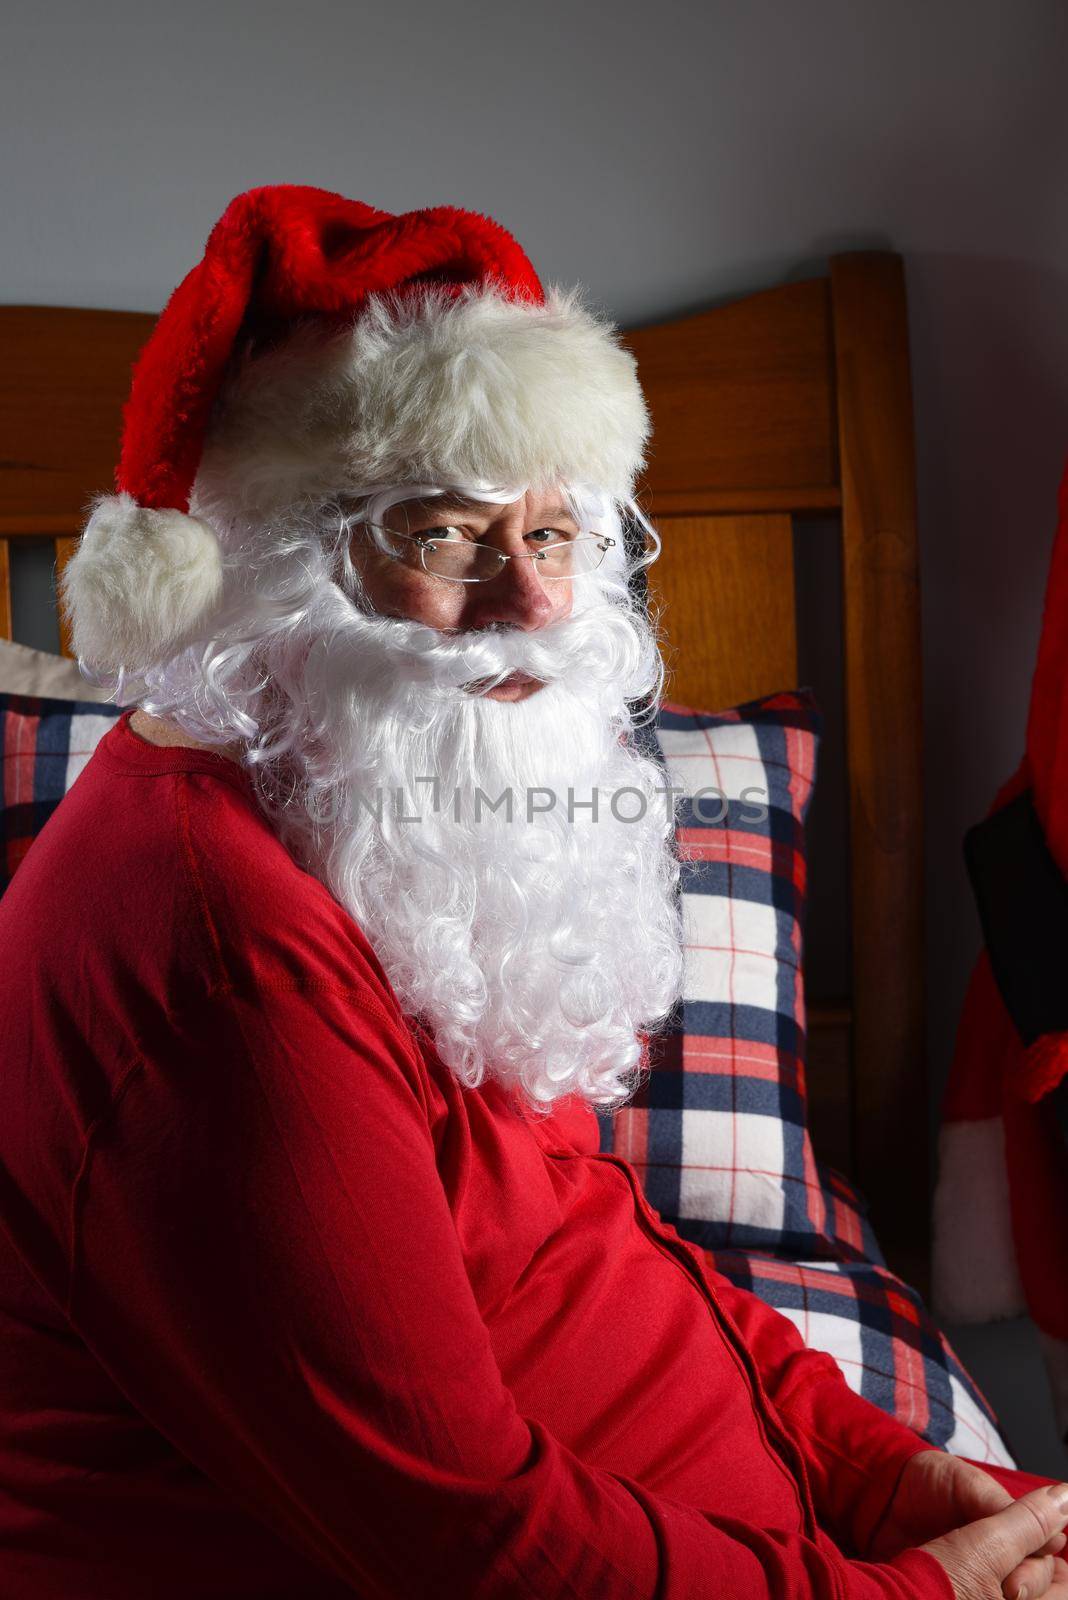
(776, 408)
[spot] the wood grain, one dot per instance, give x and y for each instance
(742, 399)
(29, 526)
(739, 501)
(64, 377)
(722, 592)
(884, 730)
(64, 549)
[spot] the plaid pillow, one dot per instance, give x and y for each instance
(878, 1330)
(719, 1131)
(44, 744)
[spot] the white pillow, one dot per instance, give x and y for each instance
(45, 676)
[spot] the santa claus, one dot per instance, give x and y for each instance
(315, 1280)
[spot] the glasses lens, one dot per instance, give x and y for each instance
(467, 561)
(460, 559)
(568, 559)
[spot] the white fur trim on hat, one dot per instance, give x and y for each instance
(433, 389)
(141, 584)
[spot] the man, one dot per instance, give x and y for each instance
(315, 1281)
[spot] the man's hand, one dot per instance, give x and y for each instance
(936, 1494)
(1003, 1554)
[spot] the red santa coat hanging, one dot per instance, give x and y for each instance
(1001, 1206)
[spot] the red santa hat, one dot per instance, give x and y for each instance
(323, 346)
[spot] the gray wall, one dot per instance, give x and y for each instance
(666, 155)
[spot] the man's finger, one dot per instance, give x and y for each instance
(1010, 1536)
(992, 1548)
(1030, 1580)
(1058, 1589)
(1052, 1547)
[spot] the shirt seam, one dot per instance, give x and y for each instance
(869, 1478)
(123, 769)
(81, 1177)
(762, 1405)
(203, 763)
(185, 842)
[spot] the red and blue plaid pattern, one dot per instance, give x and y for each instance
(718, 1132)
(880, 1333)
(852, 1307)
(719, 1129)
(44, 744)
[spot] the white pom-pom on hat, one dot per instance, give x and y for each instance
(141, 584)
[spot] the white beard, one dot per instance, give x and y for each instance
(535, 949)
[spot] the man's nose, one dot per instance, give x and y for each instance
(517, 596)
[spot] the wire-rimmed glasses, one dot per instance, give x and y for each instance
(448, 553)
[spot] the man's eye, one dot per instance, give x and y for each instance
(444, 534)
(441, 534)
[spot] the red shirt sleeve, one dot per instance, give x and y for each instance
(264, 1259)
(854, 1452)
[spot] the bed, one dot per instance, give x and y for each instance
(782, 433)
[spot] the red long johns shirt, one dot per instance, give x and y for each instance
(286, 1311)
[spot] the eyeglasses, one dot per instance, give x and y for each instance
(447, 553)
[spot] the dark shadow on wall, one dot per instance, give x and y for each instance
(990, 370)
